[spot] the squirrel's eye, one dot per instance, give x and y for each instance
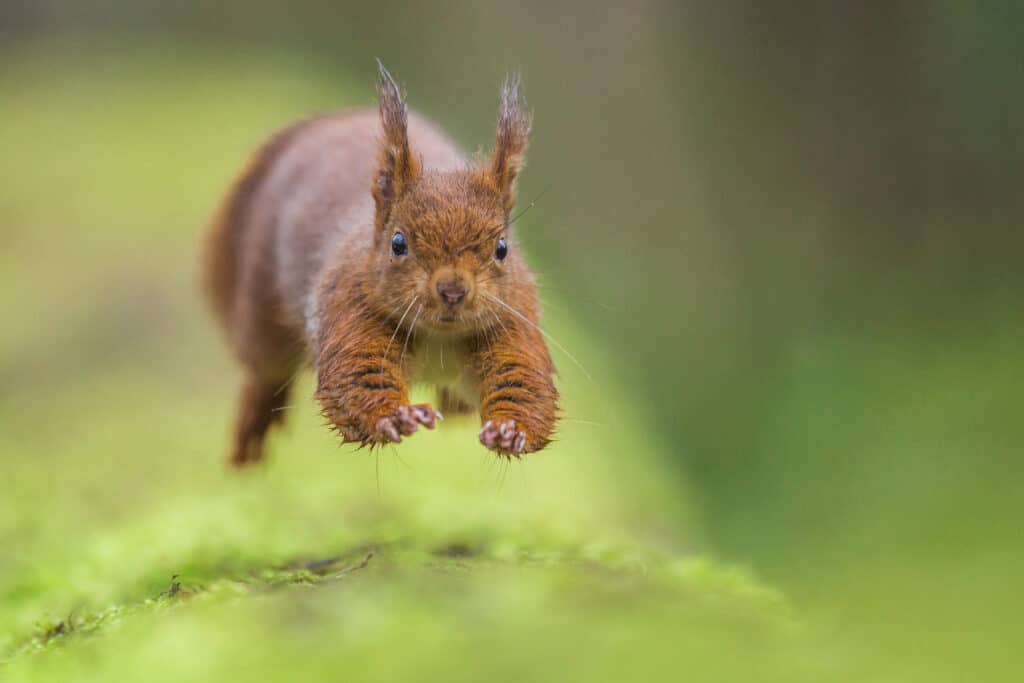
(398, 245)
(501, 251)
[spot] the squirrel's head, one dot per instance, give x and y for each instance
(442, 245)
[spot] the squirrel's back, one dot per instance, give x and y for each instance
(304, 195)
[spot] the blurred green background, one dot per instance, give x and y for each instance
(783, 241)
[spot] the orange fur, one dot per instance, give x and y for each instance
(299, 266)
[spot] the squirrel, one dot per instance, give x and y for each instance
(368, 245)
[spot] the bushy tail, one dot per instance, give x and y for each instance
(222, 248)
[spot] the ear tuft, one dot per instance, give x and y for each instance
(397, 167)
(511, 139)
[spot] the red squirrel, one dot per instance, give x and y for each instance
(367, 244)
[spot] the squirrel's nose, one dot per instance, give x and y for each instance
(451, 292)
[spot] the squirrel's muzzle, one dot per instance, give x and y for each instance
(452, 292)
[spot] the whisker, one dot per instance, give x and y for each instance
(501, 322)
(488, 466)
(487, 337)
(501, 227)
(548, 304)
(396, 309)
(412, 326)
(504, 472)
(287, 383)
(384, 358)
(516, 217)
(492, 312)
(528, 207)
(584, 422)
(547, 336)
(394, 451)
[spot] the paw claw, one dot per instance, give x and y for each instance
(504, 438)
(404, 422)
(407, 420)
(425, 415)
(386, 426)
(489, 434)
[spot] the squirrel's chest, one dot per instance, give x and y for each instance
(444, 363)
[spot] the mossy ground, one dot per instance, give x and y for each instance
(132, 550)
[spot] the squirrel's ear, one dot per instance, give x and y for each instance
(511, 140)
(397, 167)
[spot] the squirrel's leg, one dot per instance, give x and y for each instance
(362, 386)
(518, 399)
(261, 405)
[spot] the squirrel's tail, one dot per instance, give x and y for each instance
(222, 249)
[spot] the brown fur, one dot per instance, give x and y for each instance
(299, 266)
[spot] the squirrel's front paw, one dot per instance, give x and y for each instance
(405, 421)
(504, 438)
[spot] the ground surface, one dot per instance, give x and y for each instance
(168, 566)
